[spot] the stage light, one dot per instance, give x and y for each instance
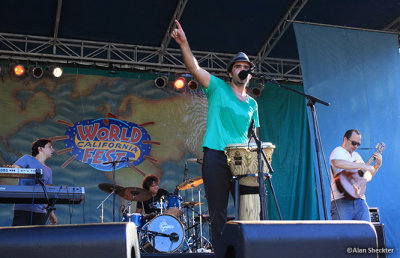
(179, 83)
(161, 82)
(57, 71)
(257, 89)
(193, 85)
(19, 70)
(37, 72)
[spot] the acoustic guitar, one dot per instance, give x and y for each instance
(352, 182)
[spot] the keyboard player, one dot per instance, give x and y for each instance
(35, 214)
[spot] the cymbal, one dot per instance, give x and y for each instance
(108, 188)
(191, 183)
(192, 204)
(135, 194)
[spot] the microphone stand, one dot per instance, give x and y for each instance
(318, 142)
(50, 202)
(263, 200)
(113, 164)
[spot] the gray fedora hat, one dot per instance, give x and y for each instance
(238, 58)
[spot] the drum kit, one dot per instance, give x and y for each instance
(170, 229)
(175, 227)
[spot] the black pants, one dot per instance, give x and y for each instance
(217, 184)
(23, 218)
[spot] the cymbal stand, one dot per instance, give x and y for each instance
(114, 164)
(194, 229)
(129, 214)
(201, 221)
(198, 239)
(102, 205)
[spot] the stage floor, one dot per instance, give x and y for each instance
(181, 255)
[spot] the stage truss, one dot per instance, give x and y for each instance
(134, 58)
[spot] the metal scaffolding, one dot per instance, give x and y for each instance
(128, 57)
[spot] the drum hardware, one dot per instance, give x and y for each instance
(161, 203)
(108, 188)
(196, 241)
(250, 208)
(126, 210)
(113, 164)
(191, 183)
(127, 193)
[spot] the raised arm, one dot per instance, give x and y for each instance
(201, 75)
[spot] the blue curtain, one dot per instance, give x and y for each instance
(358, 72)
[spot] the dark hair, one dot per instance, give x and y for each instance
(148, 181)
(350, 132)
(41, 142)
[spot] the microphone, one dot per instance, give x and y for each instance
(125, 159)
(174, 237)
(251, 129)
(244, 73)
(129, 159)
(200, 161)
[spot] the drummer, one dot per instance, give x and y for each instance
(151, 206)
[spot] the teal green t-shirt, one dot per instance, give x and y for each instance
(228, 118)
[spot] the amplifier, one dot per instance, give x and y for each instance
(379, 228)
(374, 215)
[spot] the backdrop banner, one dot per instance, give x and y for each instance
(358, 73)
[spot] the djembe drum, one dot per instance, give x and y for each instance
(242, 160)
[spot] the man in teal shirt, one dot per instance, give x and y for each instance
(230, 112)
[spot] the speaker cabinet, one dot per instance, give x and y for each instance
(254, 239)
(380, 233)
(86, 240)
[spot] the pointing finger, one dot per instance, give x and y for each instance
(178, 25)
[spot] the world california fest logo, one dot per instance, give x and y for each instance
(99, 141)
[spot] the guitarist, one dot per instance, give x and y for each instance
(346, 158)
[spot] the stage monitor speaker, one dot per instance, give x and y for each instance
(380, 232)
(254, 239)
(84, 240)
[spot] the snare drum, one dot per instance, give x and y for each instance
(173, 205)
(242, 160)
(136, 218)
(164, 233)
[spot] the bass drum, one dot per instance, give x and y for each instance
(164, 233)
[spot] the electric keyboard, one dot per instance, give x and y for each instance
(21, 172)
(25, 194)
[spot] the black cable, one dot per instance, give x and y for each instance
(83, 211)
(33, 201)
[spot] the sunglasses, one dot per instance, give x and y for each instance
(354, 143)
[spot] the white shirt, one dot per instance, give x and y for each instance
(341, 153)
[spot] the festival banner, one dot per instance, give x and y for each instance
(99, 142)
